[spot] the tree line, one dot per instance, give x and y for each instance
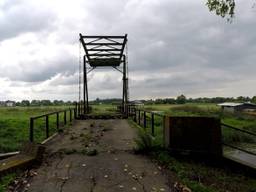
(182, 99)
(46, 102)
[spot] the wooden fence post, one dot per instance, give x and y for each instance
(31, 130)
(70, 115)
(47, 126)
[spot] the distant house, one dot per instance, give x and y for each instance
(237, 107)
(10, 104)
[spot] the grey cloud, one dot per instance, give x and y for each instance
(200, 51)
(37, 70)
(20, 17)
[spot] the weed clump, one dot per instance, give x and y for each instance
(144, 142)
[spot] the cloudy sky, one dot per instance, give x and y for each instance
(175, 47)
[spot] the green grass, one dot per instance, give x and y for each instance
(5, 181)
(103, 109)
(14, 125)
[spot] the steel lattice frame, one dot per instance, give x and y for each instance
(104, 51)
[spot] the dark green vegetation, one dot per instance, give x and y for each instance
(14, 125)
(222, 8)
(5, 181)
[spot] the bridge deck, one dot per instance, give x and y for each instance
(96, 155)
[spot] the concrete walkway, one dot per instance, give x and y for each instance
(72, 165)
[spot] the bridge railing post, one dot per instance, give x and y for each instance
(31, 130)
(47, 126)
(139, 117)
(70, 115)
(145, 119)
(152, 124)
(65, 117)
(57, 121)
(75, 112)
(135, 115)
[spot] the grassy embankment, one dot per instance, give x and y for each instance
(199, 175)
(14, 125)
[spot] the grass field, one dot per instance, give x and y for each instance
(14, 125)
(103, 109)
(14, 122)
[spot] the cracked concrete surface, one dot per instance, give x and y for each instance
(66, 167)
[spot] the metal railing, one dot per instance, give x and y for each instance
(144, 118)
(249, 136)
(72, 112)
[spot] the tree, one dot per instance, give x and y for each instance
(254, 99)
(222, 8)
(181, 99)
(46, 102)
(35, 103)
(25, 103)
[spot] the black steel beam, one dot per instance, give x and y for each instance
(105, 58)
(84, 46)
(123, 46)
(103, 55)
(111, 37)
(103, 49)
(103, 44)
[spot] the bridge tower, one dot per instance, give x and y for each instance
(104, 51)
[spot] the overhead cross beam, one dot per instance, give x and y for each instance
(108, 48)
